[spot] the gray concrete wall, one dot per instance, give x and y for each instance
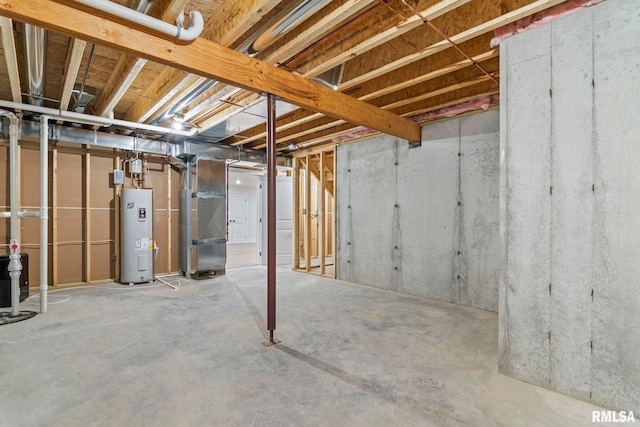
(570, 197)
(423, 221)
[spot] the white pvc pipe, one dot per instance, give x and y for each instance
(72, 116)
(44, 209)
(195, 22)
(21, 214)
(13, 189)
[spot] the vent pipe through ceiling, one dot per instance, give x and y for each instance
(35, 41)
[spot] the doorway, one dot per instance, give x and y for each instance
(237, 218)
(242, 217)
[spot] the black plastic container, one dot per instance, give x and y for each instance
(5, 280)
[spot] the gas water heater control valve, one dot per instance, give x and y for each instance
(15, 266)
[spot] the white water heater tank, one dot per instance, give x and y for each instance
(136, 236)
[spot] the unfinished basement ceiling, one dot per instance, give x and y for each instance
(379, 51)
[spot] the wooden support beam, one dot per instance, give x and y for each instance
(412, 74)
(72, 66)
(296, 214)
(129, 66)
(307, 215)
(9, 50)
(332, 16)
(316, 143)
(235, 18)
(322, 250)
(429, 90)
(209, 60)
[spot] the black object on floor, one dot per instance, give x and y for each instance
(6, 317)
(5, 280)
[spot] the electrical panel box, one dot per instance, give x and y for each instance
(118, 176)
(136, 236)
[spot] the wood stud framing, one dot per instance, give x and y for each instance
(312, 192)
(307, 214)
(393, 67)
(210, 60)
(296, 214)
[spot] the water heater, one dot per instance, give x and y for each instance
(136, 236)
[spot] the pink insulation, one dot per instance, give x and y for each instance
(541, 18)
(480, 103)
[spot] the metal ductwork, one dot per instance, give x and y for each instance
(291, 20)
(35, 41)
(82, 95)
(288, 20)
(330, 78)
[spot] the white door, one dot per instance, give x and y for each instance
(237, 218)
(284, 220)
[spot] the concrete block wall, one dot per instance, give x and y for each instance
(423, 221)
(570, 203)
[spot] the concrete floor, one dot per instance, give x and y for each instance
(351, 355)
(241, 255)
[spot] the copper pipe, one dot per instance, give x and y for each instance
(271, 215)
(392, 10)
(447, 38)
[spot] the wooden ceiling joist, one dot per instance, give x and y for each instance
(410, 75)
(210, 60)
(129, 66)
(9, 49)
(314, 29)
(165, 87)
(449, 83)
(72, 66)
(372, 64)
(236, 18)
(420, 72)
(347, 131)
(330, 18)
(339, 48)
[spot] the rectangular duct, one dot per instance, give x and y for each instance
(211, 207)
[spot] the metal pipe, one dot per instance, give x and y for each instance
(93, 120)
(271, 215)
(44, 206)
(447, 38)
(188, 29)
(14, 268)
(290, 21)
(21, 214)
(35, 47)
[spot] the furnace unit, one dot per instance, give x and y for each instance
(136, 236)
